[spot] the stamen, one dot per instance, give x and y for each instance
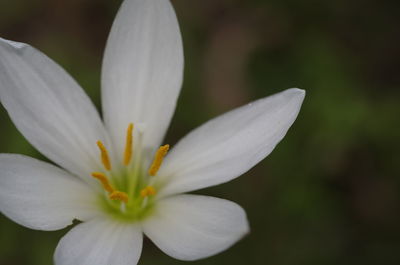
(114, 194)
(129, 145)
(158, 159)
(119, 195)
(104, 181)
(148, 191)
(105, 159)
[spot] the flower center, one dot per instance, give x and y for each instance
(129, 193)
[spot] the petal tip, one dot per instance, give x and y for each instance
(246, 230)
(298, 91)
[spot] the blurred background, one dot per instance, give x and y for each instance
(329, 193)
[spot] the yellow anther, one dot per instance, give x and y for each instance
(129, 145)
(105, 159)
(114, 194)
(158, 158)
(103, 180)
(148, 191)
(119, 195)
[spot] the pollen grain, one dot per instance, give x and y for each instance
(129, 145)
(158, 159)
(119, 195)
(105, 159)
(148, 191)
(104, 181)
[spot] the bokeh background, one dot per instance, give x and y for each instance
(329, 193)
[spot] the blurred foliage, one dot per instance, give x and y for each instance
(329, 193)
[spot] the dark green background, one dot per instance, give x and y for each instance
(329, 193)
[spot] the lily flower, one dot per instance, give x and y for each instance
(112, 175)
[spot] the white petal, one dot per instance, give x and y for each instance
(49, 108)
(41, 196)
(191, 227)
(142, 71)
(100, 242)
(228, 146)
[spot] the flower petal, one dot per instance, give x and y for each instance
(101, 242)
(191, 227)
(228, 146)
(41, 196)
(142, 71)
(49, 108)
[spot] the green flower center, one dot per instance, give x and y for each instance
(129, 193)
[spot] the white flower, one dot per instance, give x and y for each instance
(115, 178)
